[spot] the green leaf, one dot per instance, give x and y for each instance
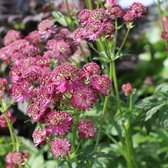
(153, 111)
(36, 160)
(60, 18)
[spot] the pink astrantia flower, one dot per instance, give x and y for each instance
(114, 11)
(127, 88)
(11, 36)
(36, 110)
(21, 91)
(90, 69)
(84, 16)
(109, 29)
(79, 34)
(129, 16)
(86, 129)
(94, 28)
(97, 14)
(102, 84)
(39, 136)
(3, 122)
(59, 122)
(46, 28)
(83, 98)
(33, 37)
(138, 9)
(14, 158)
(60, 147)
(61, 50)
(30, 51)
(165, 35)
(63, 77)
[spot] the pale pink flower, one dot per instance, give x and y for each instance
(21, 91)
(59, 122)
(3, 122)
(46, 28)
(127, 88)
(86, 129)
(102, 84)
(12, 35)
(83, 98)
(39, 136)
(60, 147)
(138, 9)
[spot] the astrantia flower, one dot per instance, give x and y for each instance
(33, 37)
(86, 129)
(84, 16)
(97, 14)
(165, 35)
(21, 91)
(102, 84)
(46, 28)
(64, 75)
(36, 110)
(3, 122)
(94, 28)
(114, 11)
(90, 69)
(129, 16)
(60, 147)
(58, 122)
(127, 88)
(79, 34)
(108, 29)
(138, 9)
(11, 36)
(30, 51)
(83, 98)
(15, 158)
(39, 136)
(3, 82)
(60, 49)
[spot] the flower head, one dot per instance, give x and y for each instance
(21, 91)
(102, 84)
(11, 36)
(84, 16)
(3, 122)
(60, 147)
(138, 9)
(46, 28)
(39, 136)
(129, 16)
(114, 11)
(83, 97)
(15, 158)
(90, 69)
(86, 129)
(58, 122)
(127, 88)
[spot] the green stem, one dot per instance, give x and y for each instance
(131, 159)
(11, 132)
(69, 14)
(83, 54)
(89, 4)
(116, 85)
(123, 42)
